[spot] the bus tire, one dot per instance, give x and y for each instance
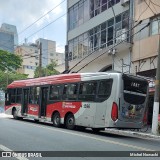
(15, 114)
(56, 119)
(70, 122)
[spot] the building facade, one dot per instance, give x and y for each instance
(6, 41)
(30, 56)
(8, 37)
(12, 29)
(49, 53)
(99, 31)
(146, 42)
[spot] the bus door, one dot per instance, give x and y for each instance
(25, 97)
(43, 101)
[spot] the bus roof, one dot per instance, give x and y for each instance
(55, 79)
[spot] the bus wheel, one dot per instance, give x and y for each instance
(70, 122)
(96, 130)
(15, 114)
(56, 119)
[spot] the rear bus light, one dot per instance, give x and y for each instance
(114, 113)
(145, 117)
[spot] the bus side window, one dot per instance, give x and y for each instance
(55, 92)
(70, 91)
(13, 95)
(34, 94)
(19, 95)
(105, 87)
(87, 91)
(7, 98)
(65, 92)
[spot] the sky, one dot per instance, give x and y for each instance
(23, 13)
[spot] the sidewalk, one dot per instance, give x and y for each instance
(3, 115)
(139, 134)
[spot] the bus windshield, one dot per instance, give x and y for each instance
(135, 89)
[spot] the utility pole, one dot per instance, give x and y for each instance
(156, 95)
(66, 58)
(40, 59)
(114, 35)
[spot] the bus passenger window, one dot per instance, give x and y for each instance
(13, 95)
(34, 94)
(7, 97)
(87, 91)
(55, 92)
(70, 91)
(105, 88)
(19, 95)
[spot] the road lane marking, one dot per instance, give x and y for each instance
(9, 150)
(91, 137)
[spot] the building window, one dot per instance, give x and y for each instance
(87, 9)
(99, 37)
(155, 26)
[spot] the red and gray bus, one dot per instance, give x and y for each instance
(91, 100)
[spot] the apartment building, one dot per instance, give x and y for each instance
(12, 29)
(49, 53)
(146, 42)
(8, 37)
(94, 28)
(30, 56)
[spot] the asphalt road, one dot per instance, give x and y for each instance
(26, 135)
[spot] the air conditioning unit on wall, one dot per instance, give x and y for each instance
(121, 35)
(124, 2)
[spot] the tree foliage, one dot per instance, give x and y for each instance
(9, 61)
(46, 71)
(8, 77)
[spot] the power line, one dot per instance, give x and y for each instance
(150, 8)
(46, 25)
(155, 3)
(113, 47)
(154, 7)
(41, 17)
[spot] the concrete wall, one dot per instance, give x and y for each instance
(142, 11)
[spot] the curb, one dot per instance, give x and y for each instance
(3, 115)
(132, 133)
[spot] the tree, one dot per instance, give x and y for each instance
(47, 71)
(9, 61)
(8, 77)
